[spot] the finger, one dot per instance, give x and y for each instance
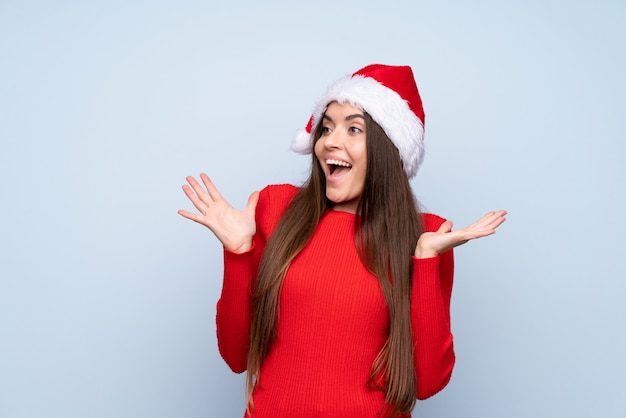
(192, 216)
(497, 222)
(484, 219)
(199, 204)
(490, 218)
(200, 192)
(486, 225)
(494, 220)
(252, 202)
(210, 187)
(445, 227)
(499, 214)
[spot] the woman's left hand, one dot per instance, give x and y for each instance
(431, 244)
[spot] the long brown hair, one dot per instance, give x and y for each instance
(386, 237)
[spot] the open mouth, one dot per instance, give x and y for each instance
(336, 167)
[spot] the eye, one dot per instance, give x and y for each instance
(326, 130)
(355, 130)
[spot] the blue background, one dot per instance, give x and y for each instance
(107, 296)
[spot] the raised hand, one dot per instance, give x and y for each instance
(432, 243)
(234, 228)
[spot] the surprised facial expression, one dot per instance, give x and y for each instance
(342, 153)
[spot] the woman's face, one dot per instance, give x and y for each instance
(342, 153)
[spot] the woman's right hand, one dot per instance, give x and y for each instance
(234, 228)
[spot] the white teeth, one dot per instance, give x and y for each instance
(339, 163)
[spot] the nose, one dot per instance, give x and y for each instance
(333, 140)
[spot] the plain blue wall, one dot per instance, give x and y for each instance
(107, 296)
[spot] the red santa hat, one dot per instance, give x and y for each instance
(390, 96)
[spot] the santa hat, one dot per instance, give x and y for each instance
(390, 96)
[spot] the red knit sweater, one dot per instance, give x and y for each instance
(333, 320)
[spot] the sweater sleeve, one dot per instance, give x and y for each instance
(234, 308)
(430, 319)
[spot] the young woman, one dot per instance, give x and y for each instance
(336, 294)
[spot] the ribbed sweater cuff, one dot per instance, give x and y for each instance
(427, 297)
(427, 267)
(237, 270)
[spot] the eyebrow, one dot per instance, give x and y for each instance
(349, 117)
